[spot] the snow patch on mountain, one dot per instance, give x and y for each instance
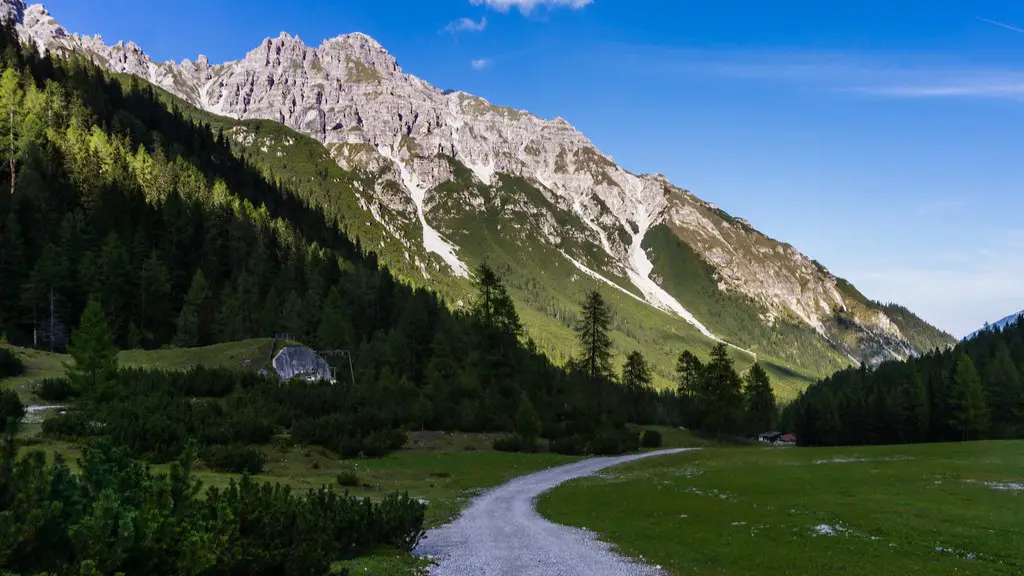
(597, 276)
(640, 274)
(432, 239)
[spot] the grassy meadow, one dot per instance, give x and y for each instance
(916, 509)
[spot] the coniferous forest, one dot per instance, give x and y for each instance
(970, 392)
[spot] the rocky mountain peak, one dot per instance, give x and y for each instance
(12, 9)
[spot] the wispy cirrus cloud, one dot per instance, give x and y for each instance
(957, 291)
(480, 63)
(466, 25)
(527, 6)
(888, 75)
(1001, 24)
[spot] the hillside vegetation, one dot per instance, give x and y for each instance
(973, 391)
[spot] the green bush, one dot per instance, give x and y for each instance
(651, 439)
(55, 390)
(10, 365)
(11, 409)
(57, 520)
(610, 441)
(574, 445)
(348, 478)
(514, 443)
(235, 458)
(71, 425)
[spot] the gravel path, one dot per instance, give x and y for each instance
(501, 533)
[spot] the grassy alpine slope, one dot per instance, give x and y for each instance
(545, 285)
(933, 509)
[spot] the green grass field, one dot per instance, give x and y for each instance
(924, 509)
(39, 364)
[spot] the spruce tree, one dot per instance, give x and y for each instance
(154, 293)
(970, 412)
(12, 270)
(192, 320)
(758, 401)
(494, 307)
(527, 423)
(94, 357)
(593, 334)
(720, 396)
(1005, 392)
(636, 379)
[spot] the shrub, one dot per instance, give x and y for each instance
(610, 441)
(235, 458)
(514, 443)
(348, 478)
(574, 445)
(651, 439)
(73, 424)
(11, 409)
(10, 365)
(56, 390)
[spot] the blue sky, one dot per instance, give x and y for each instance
(883, 139)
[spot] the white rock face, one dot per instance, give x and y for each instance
(351, 95)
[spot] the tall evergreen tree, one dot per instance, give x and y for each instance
(593, 334)
(1005, 391)
(527, 423)
(193, 321)
(636, 379)
(154, 295)
(494, 307)
(970, 412)
(93, 366)
(721, 393)
(12, 270)
(758, 401)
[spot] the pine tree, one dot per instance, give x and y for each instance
(527, 423)
(94, 358)
(636, 379)
(494, 307)
(758, 401)
(115, 285)
(970, 413)
(192, 320)
(154, 293)
(593, 334)
(12, 268)
(1005, 392)
(913, 410)
(720, 395)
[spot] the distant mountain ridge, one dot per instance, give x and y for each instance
(998, 325)
(452, 180)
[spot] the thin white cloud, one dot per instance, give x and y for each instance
(1007, 26)
(480, 63)
(957, 292)
(889, 75)
(527, 6)
(466, 25)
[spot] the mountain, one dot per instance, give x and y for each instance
(437, 181)
(999, 325)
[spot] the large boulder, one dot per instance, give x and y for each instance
(302, 362)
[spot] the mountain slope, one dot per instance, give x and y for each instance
(999, 325)
(443, 180)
